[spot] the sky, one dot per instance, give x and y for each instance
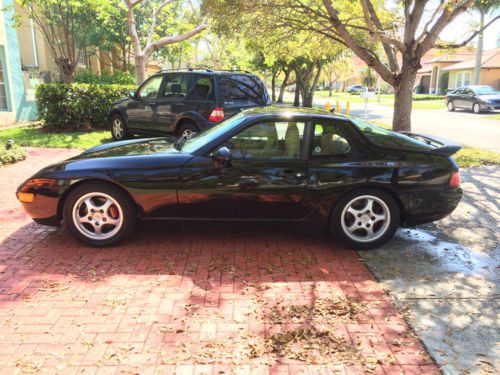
(462, 27)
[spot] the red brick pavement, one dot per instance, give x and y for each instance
(173, 301)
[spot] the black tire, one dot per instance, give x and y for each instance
(186, 128)
(124, 213)
(385, 229)
(476, 108)
(451, 106)
(117, 122)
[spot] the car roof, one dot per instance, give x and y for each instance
(292, 112)
(206, 71)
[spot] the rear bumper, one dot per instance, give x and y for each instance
(430, 206)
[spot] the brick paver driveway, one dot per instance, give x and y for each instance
(185, 301)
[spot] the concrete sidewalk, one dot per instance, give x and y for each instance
(445, 276)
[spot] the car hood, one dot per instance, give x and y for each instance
(152, 153)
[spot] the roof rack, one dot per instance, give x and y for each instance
(192, 69)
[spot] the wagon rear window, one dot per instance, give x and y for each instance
(388, 138)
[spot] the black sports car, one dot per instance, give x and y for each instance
(268, 163)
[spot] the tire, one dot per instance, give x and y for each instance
(187, 128)
(343, 218)
(476, 108)
(96, 229)
(451, 106)
(119, 130)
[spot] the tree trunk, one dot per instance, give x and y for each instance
(66, 69)
(403, 96)
(283, 86)
(330, 89)
(273, 87)
(140, 68)
(296, 100)
(479, 53)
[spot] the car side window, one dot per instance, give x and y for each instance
(268, 140)
(175, 86)
(459, 91)
(328, 142)
(469, 92)
(203, 89)
(150, 89)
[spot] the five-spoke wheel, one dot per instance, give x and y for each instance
(119, 129)
(365, 218)
(99, 214)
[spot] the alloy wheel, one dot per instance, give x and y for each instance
(365, 218)
(97, 216)
(118, 128)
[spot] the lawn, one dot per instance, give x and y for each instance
(33, 136)
(385, 100)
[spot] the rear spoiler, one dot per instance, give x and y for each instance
(444, 147)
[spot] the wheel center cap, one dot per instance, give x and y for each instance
(97, 216)
(365, 218)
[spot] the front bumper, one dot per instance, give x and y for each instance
(430, 206)
(43, 209)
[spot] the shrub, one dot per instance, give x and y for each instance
(420, 97)
(10, 153)
(116, 78)
(77, 106)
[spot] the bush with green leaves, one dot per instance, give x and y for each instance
(70, 107)
(116, 78)
(11, 153)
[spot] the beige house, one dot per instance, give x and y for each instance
(460, 74)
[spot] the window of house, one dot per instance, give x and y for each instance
(268, 140)
(463, 79)
(81, 57)
(3, 86)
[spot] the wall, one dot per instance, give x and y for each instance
(490, 77)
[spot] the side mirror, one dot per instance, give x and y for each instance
(133, 94)
(222, 154)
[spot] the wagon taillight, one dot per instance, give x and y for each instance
(455, 179)
(217, 115)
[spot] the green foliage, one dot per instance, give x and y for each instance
(472, 156)
(10, 153)
(423, 97)
(105, 78)
(40, 137)
(77, 106)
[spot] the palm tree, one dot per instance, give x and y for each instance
(484, 7)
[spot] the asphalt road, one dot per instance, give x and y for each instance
(464, 127)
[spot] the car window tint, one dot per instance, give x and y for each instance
(327, 141)
(150, 89)
(243, 88)
(175, 86)
(388, 138)
(459, 91)
(203, 89)
(468, 92)
(269, 140)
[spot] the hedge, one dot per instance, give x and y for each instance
(10, 153)
(422, 97)
(116, 78)
(76, 106)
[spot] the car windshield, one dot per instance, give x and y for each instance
(201, 139)
(388, 138)
(485, 90)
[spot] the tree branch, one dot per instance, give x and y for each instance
(465, 42)
(155, 17)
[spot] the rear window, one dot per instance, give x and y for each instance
(388, 138)
(239, 87)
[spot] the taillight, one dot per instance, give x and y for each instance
(455, 179)
(217, 115)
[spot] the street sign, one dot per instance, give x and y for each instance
(367, 94)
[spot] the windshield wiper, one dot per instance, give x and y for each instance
(180, 142)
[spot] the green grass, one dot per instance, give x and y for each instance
(385, 100)
(472, 156)
(492, 117)
(35, 137)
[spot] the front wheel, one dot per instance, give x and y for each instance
(365, 219)
(476, 108)
(99, 214)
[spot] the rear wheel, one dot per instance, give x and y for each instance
(119, 129)
(451, 106)
(187, 129)
(99, 214)
(365, 219)
(476, 108)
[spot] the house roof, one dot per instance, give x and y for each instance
(491, 59)
(456, 56)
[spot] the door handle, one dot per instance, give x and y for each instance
(287, 173)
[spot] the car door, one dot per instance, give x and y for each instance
(140, 111)
(468, 98)
(265, 177)
(171, 102)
